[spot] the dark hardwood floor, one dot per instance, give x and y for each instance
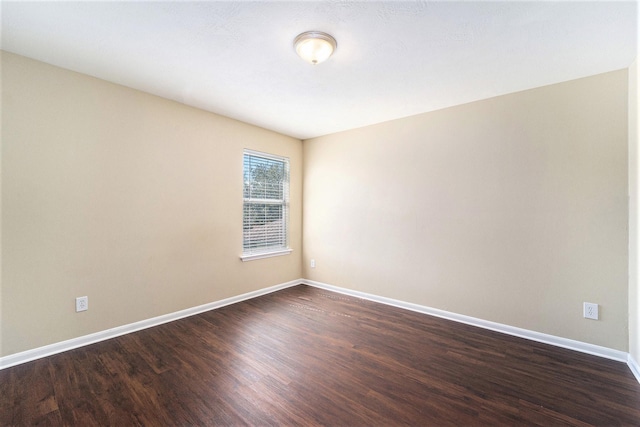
(305, 356)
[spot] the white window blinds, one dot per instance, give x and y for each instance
(266, 203)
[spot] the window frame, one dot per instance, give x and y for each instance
(267, 252)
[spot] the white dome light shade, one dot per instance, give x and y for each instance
(315, 46)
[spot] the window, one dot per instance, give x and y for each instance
(265, 221)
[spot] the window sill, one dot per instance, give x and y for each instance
(262, 255)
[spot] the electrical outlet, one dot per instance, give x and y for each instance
(590, 311)
(313, 263)
(82, 304)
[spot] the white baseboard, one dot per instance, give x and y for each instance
(48, 350)
(582, 347)
(633, 365)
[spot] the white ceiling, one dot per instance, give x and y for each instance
(394, 59)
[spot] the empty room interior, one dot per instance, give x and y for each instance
(319, 213)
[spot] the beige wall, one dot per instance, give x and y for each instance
(634, 214)
(130, 199)
(1, 345)
(512, 209)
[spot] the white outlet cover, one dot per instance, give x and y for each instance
(82, 304)
(590, 311)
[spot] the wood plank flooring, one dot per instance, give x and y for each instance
(305, 356)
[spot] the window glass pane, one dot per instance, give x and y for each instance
(263, 178)
(263, 226)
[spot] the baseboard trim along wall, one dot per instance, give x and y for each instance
(633, 365)
(49, 350)
(582, 347)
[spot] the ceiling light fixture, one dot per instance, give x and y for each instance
(314, 46)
